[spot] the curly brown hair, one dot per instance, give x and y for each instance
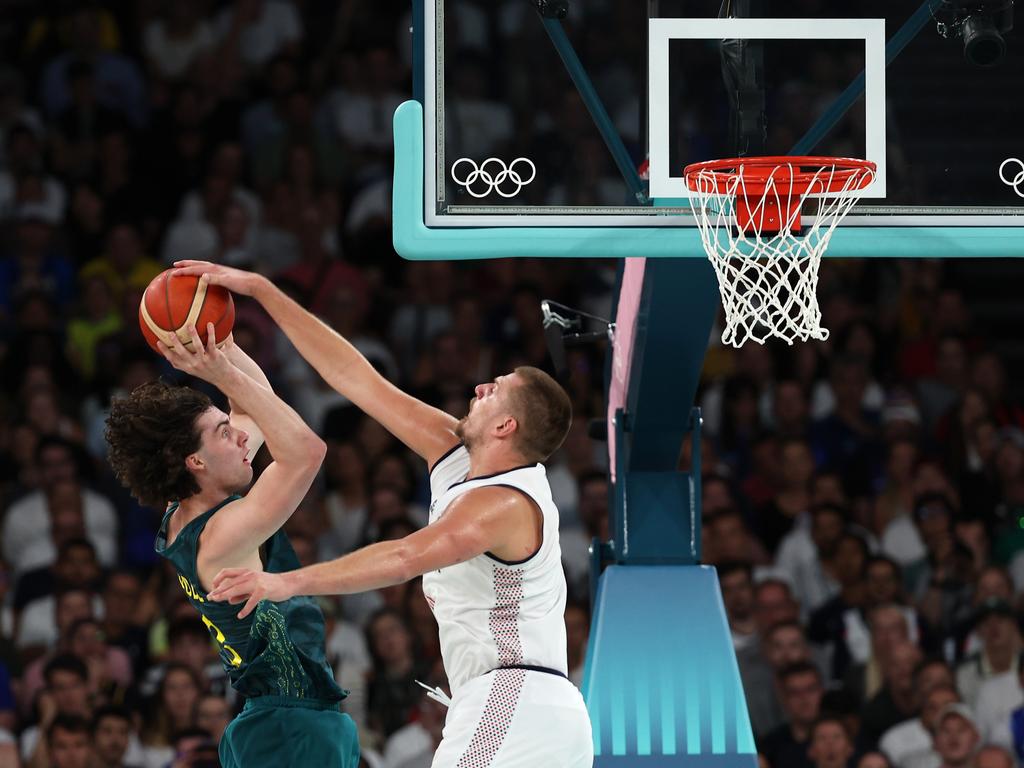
(150, 434)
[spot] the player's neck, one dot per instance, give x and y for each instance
(201, 502)
(490, 461)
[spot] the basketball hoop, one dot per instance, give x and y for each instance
(748, 211)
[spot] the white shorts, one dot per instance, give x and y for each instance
(516, 718)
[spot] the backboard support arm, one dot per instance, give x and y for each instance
(596, 108)
(855, 90)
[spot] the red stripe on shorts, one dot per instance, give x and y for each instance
(494, 721)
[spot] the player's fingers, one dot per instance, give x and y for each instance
(228, 592)
(192, 267)
(211, 338)
(173, 346)
(226, 575)
(250, 606)
(197, 344)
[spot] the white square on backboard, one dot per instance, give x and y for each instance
(662, 31)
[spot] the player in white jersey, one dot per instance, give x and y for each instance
(490, 557)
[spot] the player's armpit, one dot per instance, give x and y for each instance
(238, 530)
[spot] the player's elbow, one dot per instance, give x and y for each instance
(404, 565)
(317, 449)
(311, 451)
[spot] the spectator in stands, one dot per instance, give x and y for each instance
(1000, 710)
(812, 577)
(789, 410)
(575, 541)
(213, 713)
(830, 624)
(73, 562)
(956, 736)
(66, 695)
(27, 519)
(800, 690)
(933, 688)
(889, 627)
(171, 710)
(779, 647)
(111, 733)
(897, 700)
(413, 745)
(792, 499)
(577, 632)
(846, 441)
(392, 695)
(881, 587)
(177, 40)
(68, 744)
(729, 539)
(831, 745)
(122, 598)
(893, 508)
(944, 584)
(46, 620)
(189, 645)
(996, 626)
(736, 583)
(874, 760)
(992, 756)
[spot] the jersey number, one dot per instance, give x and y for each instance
(228, 653)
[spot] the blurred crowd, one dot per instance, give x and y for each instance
(864, 510)
(255, 133)
(864, 501)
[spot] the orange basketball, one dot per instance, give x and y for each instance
(172, 303)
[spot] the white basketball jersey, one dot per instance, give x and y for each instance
(491, 613)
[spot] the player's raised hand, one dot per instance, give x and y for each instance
(235, 280)
(206, 362)
(236, 585)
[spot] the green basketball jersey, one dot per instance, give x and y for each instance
(278, 649)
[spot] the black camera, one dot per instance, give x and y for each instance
(552, 9)
(981, 24)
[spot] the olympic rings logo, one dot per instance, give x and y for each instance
(493, 175)
(1018, 180)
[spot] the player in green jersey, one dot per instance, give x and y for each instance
(173, 448)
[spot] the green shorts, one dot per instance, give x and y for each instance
(277, 731)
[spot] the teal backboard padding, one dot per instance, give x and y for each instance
(414, 240)
(661, 681)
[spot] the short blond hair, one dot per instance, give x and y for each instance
(544, 413)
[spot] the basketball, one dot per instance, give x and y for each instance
(172, 303)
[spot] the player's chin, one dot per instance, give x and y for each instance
(244, 478)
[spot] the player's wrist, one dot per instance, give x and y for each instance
(294, 583)
(229, 380)
(261, 287)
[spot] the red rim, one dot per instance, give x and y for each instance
(758, 170)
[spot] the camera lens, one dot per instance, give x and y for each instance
(983, 45)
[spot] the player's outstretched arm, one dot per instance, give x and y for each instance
(240, 528)
(428, 431)
(487, 519)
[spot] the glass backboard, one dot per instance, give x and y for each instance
(534, 121)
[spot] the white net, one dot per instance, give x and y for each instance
(768, 276)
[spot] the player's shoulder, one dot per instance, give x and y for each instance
(449, 469)
(494, 498)
(456, 454)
